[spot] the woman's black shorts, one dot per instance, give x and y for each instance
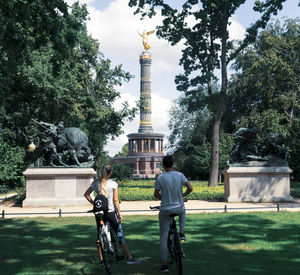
(111, 217)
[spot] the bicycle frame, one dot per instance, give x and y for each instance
(106, 245)
(174, 245)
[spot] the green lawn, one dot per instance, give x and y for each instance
(254, 243)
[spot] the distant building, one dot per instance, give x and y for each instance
(145, 148)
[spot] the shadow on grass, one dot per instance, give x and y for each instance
(245, 244)
(256, 243)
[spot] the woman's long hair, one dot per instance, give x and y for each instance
(107, 169)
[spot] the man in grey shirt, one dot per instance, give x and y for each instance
(168, 189)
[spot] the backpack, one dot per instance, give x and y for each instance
(100, 204)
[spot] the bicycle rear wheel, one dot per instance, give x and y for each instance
(107, 254)
(171, 244)
(177, 253)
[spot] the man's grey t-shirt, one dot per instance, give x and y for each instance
(170, 184)
(111, 185)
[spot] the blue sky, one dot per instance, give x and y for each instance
(112, 22)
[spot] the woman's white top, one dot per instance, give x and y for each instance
(111, 185)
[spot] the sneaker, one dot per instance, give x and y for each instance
(133, 261)
(164, 268)
(182, 237)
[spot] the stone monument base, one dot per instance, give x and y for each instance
(257, 184)
(57, 187)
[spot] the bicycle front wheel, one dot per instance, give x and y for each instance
(107, 254)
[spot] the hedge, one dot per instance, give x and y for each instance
(143, 190)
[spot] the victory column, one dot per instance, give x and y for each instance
(145, 148)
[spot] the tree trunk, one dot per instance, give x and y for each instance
(214, 163)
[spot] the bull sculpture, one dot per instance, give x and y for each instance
(59, 146)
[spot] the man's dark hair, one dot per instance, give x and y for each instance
(168, 161)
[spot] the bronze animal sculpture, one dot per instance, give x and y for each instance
(59, 146)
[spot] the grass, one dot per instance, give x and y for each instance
(232, 243)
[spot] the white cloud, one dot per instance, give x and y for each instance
(236, 30)
(160, 113)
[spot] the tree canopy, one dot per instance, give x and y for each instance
(267, 78)
(52, 70)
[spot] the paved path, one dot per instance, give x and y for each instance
(142, 208)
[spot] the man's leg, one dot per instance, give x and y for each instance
(164, 223)
(182, 219)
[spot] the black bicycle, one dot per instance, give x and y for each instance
(174, 245)
(106, 242)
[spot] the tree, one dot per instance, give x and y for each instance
(268, 78)
(206, 48)
(11, 164)
(268, 73)
(123, 153)
(52, 70)
(121, 172)
(189, 139)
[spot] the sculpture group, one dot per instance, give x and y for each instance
(60, 146)
(248, 151)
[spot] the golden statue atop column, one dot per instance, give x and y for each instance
(145, 36)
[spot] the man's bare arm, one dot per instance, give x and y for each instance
(157, 194)
(188, 190)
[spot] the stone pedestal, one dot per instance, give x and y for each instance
(57, 186)
(257, 184)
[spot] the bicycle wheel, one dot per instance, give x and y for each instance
(177, 253)
(114, 239)
(107, 253)
(171, 244)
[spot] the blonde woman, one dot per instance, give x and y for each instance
(109, 188)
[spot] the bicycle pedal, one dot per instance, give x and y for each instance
(111, 251)
(120, 258)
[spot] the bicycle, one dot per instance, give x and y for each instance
(174, 245)
(106, 242)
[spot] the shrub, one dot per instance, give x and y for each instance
(143, 190)
(11, 165)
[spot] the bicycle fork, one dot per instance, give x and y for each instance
(106, 238)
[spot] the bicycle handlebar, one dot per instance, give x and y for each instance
(157, 207)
